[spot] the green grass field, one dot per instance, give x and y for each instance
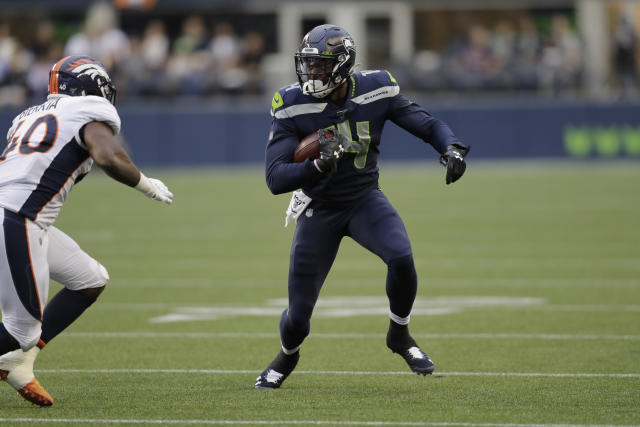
(528, 302)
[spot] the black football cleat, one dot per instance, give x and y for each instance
(399, 341)
(417, 360)
(277, 371)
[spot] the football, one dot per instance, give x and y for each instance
(309, 147)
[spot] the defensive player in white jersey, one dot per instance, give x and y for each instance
(50, 147)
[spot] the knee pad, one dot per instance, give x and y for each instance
(95, 277)
(403, 270)
(297, 322)
(101, 276)
(293, 330)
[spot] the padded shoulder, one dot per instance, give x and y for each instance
(373, 85)
(93, 109)
(368, 80)
(286, 96)
(290, 101)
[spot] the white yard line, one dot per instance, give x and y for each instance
(507, 282)
(534, 307)
(319, 372)
(259, 335)
(287, 422)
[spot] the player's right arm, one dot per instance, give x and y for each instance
(282, 175)
(107, 152)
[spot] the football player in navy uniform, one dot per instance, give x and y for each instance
(50, 148)
(339, 190)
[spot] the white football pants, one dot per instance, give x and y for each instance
(29, 256)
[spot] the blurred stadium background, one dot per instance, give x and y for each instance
(514, 78)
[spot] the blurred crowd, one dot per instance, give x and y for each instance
(200, 60)
(210, 58)
(509, 56)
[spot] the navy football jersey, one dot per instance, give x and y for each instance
(373, 98)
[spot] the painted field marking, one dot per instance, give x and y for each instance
(341, 307)
(507, 282)
(260, 335)
(249, 371)
(349, 307)
(289, 422)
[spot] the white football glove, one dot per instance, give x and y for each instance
(154, 189)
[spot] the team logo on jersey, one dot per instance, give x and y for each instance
(276, 102)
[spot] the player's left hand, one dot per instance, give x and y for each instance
(154, 189)
(162, 193)
(453, 160)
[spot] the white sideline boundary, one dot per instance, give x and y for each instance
(290, 422)
(260, 335)
(319, 372)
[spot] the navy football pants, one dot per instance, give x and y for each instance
(372, 222)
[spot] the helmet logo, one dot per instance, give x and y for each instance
(92, 70)
(77, 63)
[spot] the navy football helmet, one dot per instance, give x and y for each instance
(81, 76)
(325, 60)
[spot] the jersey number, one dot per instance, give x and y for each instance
(49, 135)
(359, 147)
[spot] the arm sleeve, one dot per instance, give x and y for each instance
(416, 120)
(282, 174)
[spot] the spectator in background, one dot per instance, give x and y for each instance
(226, 51)
(145, 71)
(155, 45)
(474, 66)
(100, 37)
(8, 46)
(561, 60)
(46, 51)
(14, 63)
(190, 61)
(527, 53)
(251, 61)
(502, 42)
(625, 57)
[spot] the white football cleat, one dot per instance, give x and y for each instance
(16, 368)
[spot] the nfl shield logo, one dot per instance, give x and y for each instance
(309, 213)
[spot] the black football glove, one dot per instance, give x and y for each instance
(453, 160)
(331, 149)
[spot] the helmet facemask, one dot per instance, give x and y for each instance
(316, 74)
(324, 65)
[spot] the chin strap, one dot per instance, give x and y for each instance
(309, 88)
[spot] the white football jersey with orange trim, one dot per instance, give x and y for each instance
(45, 155)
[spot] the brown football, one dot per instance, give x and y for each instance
(309, 147)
